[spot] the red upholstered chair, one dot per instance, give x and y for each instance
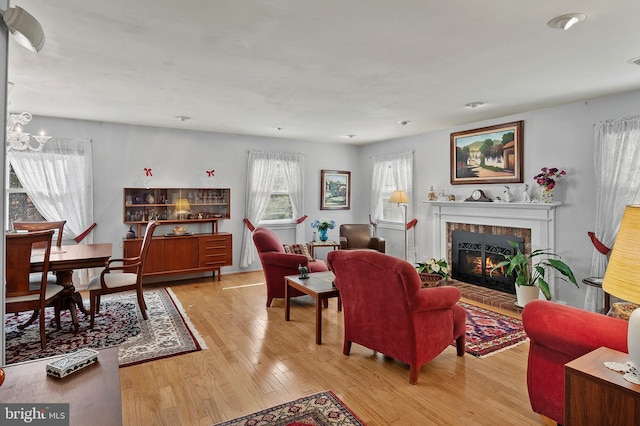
(276, 263)
(559, 334)
(386, 310)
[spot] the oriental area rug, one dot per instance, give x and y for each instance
(168, 331)
(489, 332)
(320, 409)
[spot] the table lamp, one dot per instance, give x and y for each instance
(622, 277)
(182, 207)
(401, 198)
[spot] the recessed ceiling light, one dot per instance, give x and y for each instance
(474, 104)
(634, 61)
(564, 22)
(277, 128)
(183, 118)
(350, 136)
(404, 122)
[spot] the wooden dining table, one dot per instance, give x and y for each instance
(63, 260)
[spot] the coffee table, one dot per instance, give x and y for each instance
(320, 286)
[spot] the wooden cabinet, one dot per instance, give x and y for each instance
(596, 395)
(179, 254)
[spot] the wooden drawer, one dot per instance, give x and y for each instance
(214, 250)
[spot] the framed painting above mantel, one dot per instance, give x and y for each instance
(335, 190)
(491, 154)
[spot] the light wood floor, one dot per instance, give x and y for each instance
(256, 360)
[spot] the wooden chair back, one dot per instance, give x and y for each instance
(42, 226)
(19, 249)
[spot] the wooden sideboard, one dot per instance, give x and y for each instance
(183, 254)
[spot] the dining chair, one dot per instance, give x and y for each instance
(108, 282)
(20, 225)
(21, 294)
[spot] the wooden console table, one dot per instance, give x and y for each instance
(596, 395)
(93, 393)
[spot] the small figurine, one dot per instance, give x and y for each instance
(526, 198)
(442, 196)
(131, 234)
(304, 271)
(432, 194)
(507, 194)
(452, 197)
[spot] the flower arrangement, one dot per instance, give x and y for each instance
(548, 176)
(432, 266)
(323, 224)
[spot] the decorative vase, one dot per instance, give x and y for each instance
(546, 195)
(322, 234)
(525, 294)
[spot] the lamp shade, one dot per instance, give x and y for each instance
(398, 196)
(182, 205)
(622, 278)
(24, 28)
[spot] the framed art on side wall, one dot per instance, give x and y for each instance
(491, 154)
(335, 190)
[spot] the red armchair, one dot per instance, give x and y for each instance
(276, 264)
(386, 310)
(559, 334)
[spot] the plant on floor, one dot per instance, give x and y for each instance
(528, 273)
(432, 266)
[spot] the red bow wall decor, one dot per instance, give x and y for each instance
(147, 172)
(210, 172)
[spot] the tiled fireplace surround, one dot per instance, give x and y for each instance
(533, 222)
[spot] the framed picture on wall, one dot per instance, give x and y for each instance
(488, 155)
(335, 190)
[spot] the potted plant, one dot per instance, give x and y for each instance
(432, 271)
(531, 276)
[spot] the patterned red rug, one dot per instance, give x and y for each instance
(489, 332)
(167, 332)
(320, 409)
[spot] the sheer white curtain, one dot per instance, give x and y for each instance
(617, 171)
(401, 165)
(59, 181)
(261, 173)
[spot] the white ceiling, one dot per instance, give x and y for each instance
(319, 69)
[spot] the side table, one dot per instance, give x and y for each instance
(596, 395)
(597, 282)
(313, 244)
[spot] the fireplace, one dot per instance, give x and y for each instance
(475, 255)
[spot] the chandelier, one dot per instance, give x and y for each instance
(17, 139)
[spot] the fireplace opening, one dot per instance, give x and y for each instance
(474, 255)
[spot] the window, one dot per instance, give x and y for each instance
(279, 207)
(19, 204)
(390, 211)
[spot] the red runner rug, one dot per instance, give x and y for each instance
(489, 332)
(320, 409)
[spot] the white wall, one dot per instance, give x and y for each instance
(554, 137)
(180, 158)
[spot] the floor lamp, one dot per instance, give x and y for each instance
(401, 198)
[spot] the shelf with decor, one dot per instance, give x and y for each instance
(178, 253)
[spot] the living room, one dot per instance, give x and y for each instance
(556, 136)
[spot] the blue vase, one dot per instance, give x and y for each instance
(322, 234)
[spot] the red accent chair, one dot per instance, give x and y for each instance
(386, 310)
(276, 264)
(559, 334)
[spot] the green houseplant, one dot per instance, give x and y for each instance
(529, 274)
(432, 271)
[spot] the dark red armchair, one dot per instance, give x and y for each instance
(559, 334)
(386, 310)
(276, 264)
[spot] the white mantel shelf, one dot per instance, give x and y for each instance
(494, 204)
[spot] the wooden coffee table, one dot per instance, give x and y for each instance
(320, 286)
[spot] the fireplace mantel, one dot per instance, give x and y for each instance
(540, 218)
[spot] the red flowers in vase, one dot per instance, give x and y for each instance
(548, 176)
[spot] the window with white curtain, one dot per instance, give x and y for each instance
(279, 209)
(390, 211)
(19, 205)
(390, 173)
